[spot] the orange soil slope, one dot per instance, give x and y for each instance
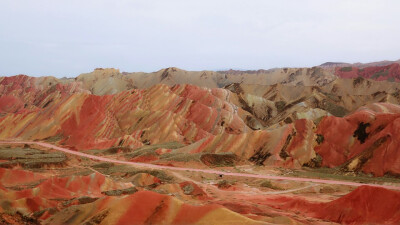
(24, 93)
(52, 194)
(145, 207)
(203, 118)
(365, 205)
(366, 140)
(50, 190)
(163, 113)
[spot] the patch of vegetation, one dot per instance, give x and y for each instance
(381, 73)
(346, 69)
(225, 184)
(39, 213)
(318, 120)
(157, 173)
(188, 189)
(288, 120)
(280, 105)
(30, 158)
(110, 151)
(181, 157)
(314, 162)
(17, 218)
(336, 174)
(149, 149)
(25, 186)
(219, 160)
(6, 205)
(332, 96)
(334, 109)
(361, 133)
(320, 139)
(98, 218)
(128, 171)
(396, 94)
(144, 153)
(53, 139)
(134, 152)
(391, 79)
(103, 165)
(259, 157)
(119, 192)
(268, 184)
(81, 200)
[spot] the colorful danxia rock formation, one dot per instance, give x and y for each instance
(284, 146)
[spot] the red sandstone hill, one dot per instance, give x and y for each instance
(328, 65)
(98, 198)
(366, 140)
(365, 205)
(389, 72)
(208, 121)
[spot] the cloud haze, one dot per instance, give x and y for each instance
(65, 38)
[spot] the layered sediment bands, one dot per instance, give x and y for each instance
(389, 72)
(39, 192)
(205, 119)
(268, 105)
(98, 80)
(258, 134)
(147, 207)
(365, 205)
(25, 93)
(363, 141)
(267, 125)
(264, 147)
(289, 76)
(181, 113)
(18, 177)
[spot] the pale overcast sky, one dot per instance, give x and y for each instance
(69, 37)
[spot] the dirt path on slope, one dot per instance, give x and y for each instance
(209, 171)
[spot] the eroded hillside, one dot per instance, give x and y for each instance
(243, 147)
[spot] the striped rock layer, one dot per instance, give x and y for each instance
(216, 121)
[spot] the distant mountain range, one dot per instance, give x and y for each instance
(358, 65)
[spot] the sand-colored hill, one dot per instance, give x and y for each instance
(111, 81)
(272, 104)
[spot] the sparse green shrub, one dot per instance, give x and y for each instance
(225, 184)
(381, 73)
(268, 184)
(280, 105)
(320, 139)
(346, 69)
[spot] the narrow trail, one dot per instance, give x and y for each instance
(209, 171)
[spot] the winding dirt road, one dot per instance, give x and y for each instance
(152, 166)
